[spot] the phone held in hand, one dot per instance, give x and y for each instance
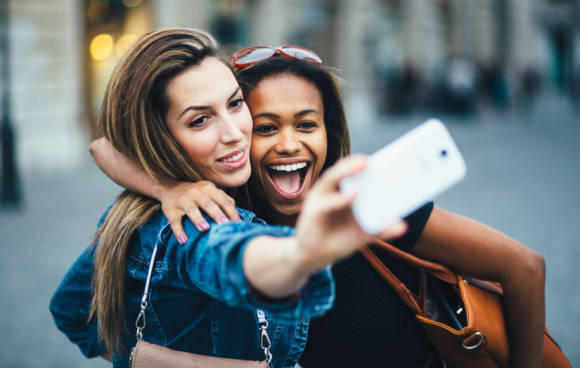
(404, 175)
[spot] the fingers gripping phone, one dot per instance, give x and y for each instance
(404, 175)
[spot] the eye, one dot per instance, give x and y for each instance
(198, 122)
(307, 125)
(265, 129)
(236, 103)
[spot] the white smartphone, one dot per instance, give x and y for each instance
(404, 175)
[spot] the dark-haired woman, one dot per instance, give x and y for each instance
(299, 130)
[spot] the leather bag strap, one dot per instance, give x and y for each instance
(397, 285)
(436, 269)
(408, 298)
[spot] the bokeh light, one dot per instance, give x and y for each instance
(101, 46)
(124, 42)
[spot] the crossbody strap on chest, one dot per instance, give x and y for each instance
(140, 322)
(408, 298)
(433, 268)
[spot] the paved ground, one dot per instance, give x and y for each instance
(523, 179)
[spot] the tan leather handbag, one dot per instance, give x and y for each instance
(147, 355)
(462, 316)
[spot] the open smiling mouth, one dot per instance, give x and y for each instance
(288, 180)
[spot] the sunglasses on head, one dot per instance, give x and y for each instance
(255, 54)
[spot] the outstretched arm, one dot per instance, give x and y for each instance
(478, 250)
(177, 199)
(326, 231)
(275, 263)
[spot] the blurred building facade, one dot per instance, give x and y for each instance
(400, 55)
(46, 87)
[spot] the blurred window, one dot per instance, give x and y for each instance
(111, 27)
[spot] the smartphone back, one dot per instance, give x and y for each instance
(404, 175)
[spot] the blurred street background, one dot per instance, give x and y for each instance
(504, 75)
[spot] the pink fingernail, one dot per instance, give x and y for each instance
(203, 225)
(223, 220)
(182, 239)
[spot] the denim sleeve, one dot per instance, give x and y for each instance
(212, 262)
(70, 306)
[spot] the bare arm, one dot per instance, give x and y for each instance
(471, 247)
(177, 199)
(123, 170)
(326, 231)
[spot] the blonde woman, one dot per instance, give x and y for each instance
(174, 106)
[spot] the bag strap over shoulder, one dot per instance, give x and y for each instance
(436, 269)
(408, 298)
(397, 285)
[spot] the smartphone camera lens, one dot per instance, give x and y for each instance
(443, 153)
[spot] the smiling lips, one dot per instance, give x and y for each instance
(234, 160)
(288, 179)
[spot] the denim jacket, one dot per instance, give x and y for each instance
(200, 300)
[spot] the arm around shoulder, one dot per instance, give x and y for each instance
(124, 171)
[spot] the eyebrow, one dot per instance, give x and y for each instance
(203, 107)
(305, 112)
(276, 116)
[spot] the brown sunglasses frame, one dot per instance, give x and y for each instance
(275, 50)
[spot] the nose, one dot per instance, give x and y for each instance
(288, 143)
(231, 132)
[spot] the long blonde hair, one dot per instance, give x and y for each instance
(132, 118)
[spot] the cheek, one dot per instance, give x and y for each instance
(199, 147)
(245, 123)
(320, 146)
(200, 159)
(256, 155)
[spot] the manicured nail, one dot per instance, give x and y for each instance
(203, 225)
(401, 226)
(182, 239)
(223, 220)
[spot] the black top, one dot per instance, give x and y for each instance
(369, 326)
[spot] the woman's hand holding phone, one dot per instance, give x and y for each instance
(404, 175)
(326, 229)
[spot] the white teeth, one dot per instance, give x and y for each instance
(233, 158)
(289, 168)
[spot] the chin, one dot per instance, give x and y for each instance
(290, 209)
(234, 180)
